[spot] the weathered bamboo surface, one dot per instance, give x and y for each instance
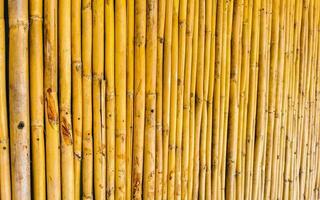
(159, 99)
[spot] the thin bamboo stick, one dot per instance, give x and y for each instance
(180, 90)
(150, 124)
(159, 97)
(36, 97)
(130, 90)
(139, 98)
(98, 72)
(192, 97)
(120, 91)
(76, 92)
(167, 92)
(19, 100)
(87, 142)
(66, 133)
(234, 100)
(110, 98)
(5, 181)
(53, 171)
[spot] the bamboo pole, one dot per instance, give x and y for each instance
(66, 133)
(110, 99)
(139, 98)
(159, 98)
(204, 123)
(130, 90)
(251, 100)
(150, 124)
(5, 181)
(167, 92)
(210, 106)
(192, 97)
(19, 100)
(234, 99)
(180, 94)
(173, 100)
(87, 141)
(199, 97)
(98, 70)
(216, 107)
(120, 91)
(36, 96)
(51, 101)
(76, 92)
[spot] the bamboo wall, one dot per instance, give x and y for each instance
(159, 99)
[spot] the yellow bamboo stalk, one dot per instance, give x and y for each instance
(98, 69)
(36, 97)
(229, 13)
(159, 87)
(120, 91)
(173, 100)
(210, 105)
(216, 107)
(204, 124)
(180, 94)
(139, 98)
(261, 102)
(251, 100)
(150, 121)
(234, 99)
(66, 133)
(110, 99)
(272, 94)
(5, 182)
(53, 171)
(76, 92)
(192, 97)
(278, 101)
(87, 142)
(19, 100)
(166, 92)
(199, 97)
(244, 81)
(130, 90)
(186, 99)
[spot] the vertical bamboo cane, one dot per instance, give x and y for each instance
(251, 100)
(19, 100)
(87, 142)
(139, 98)
(216, 107)
(234, 98)
(66, 134)
(5, 182)
(173, 100)
(272, 94)
(150, 121)
(130, 88)
(120, 91)
(192, 97)
(199, 97)
(110, 98)
(180, 89)
(166, 91)
(51, 101)
(186, 99)
(159, 140)
(76, 92)
(98, 69)
(210, 106)
(204, 123)
(36, 96)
